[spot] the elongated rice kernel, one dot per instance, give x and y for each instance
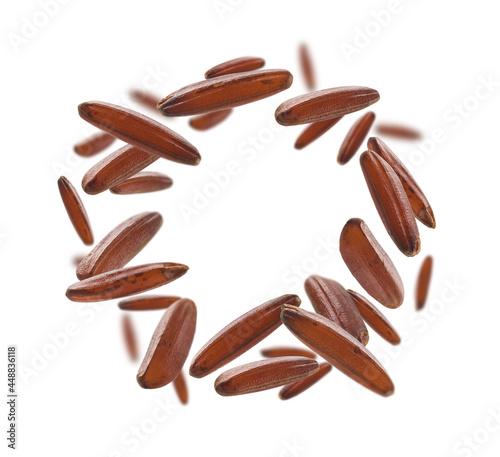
(238, 65)
(147, 302)
(140, 131)
(180, 386)
(209, 120)
(95, 144)
(391, 202)
(423, 282)
(120, 245)
(125, 282)
(76, 211)
(145, 98)
(418, 201)
(374, 318)
(142, 183)
(286, 351)
(355, 137)
(325, 104)
(264, 375)
(370, 264)
(314, 131)
(116, 168)
(239, 336)
(130, 337)
(307, 66)
(338, 347)
(169, 346)
(331, 300)
(297, 387)
(225, 92)
(399, 131)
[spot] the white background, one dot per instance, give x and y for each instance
(259, 235)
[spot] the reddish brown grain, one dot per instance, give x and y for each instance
(307, 67)
(237, 65)
(145, 98)
(180, 386)
(325, 104)
(225, 92)
(399, 131)
(239, 336)
(209, 120)
(286, 351)
(355, 137)
(120, 245)
(169, 346)
(125, 282)
(116, 168)
(391, 202)
(95, 144)
(423, 282)
(76, 210)
(130, 337)
(147, 302)
(140, 131)
(370, 264)
(264, 375)
(314, 131)
(375, 319)
(142, 183)
(297, 387)
(418, 201)
(338, 347)
(332, 301)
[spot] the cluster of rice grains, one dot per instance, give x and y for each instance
(336, 331)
